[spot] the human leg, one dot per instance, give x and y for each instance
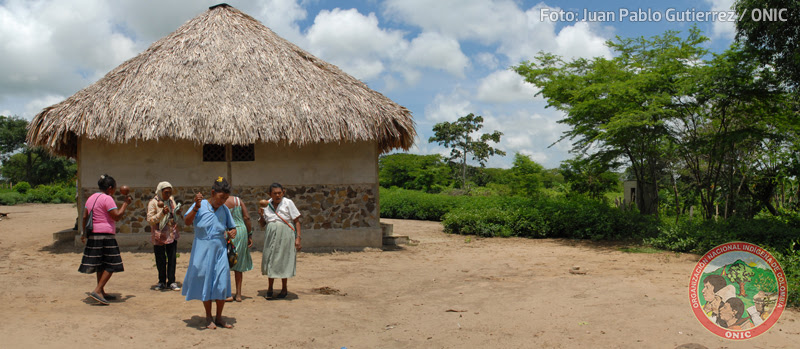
(161, 263)
(270, 281)
(218, 320)
(238, 280)
(171, 251)
(209, 320)
(284, 291)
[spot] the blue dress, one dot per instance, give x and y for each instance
(208, 275)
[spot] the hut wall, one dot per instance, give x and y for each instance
(335, 186)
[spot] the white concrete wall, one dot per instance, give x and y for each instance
(144, 164)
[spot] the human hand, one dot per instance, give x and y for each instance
(261, 221)
(83, 239)
(128, 199)
(297, 244)
(165, 210)
(198, 198)
(249, 241)
(232, 233)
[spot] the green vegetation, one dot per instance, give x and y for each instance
(36, 175)
(22, 192)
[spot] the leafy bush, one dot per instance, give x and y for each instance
(11, 198)
(22, 187)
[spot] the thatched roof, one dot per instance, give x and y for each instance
(224, 78)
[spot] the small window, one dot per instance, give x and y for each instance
(213, 152)
(244, 153)
(216, 152)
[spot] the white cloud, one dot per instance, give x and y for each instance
(527, 133)
(35, 106)
(436, 51)
(354, 42)
(487, 60)
(282, 16)
(448, 107)
(56, 46)
(505, 86)
(724, 30)
(483, 20)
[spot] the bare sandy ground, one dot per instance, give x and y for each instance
(442, 291)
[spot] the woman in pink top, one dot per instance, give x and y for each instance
(101, 254)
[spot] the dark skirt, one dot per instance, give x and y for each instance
(101, 253)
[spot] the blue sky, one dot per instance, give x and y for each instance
(440, 59)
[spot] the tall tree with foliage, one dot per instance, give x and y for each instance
(619, 108)
(458, 137)
(776, 41)
(12, 135)
(416, 172)
(589, 177)
(23, 163)
(526, 174)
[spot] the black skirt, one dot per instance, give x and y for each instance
(101, 253)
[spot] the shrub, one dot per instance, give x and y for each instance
(11, 198)
(22, 187)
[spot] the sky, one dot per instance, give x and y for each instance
(440, 59)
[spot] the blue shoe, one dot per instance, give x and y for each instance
(98, 298)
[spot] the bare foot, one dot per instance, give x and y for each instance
(223, 324)
(211, 325)
(238, 298)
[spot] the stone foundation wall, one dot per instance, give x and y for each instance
(322, 207)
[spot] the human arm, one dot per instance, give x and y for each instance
(83, 226)
(154, 213)
(117, 213)
(297, 244)
(189, 218)
(246, 217)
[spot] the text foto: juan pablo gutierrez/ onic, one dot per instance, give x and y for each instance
(668, 15)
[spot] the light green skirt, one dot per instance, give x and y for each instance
(279, 260)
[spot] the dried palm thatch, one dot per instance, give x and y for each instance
(224, 78)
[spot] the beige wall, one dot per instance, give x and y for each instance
(144, 164)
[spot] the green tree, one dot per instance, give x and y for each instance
(33, 165)
(458, 137)
(12, 135)
(776, 42)
(526, 174)
(619, 108)
(37, 166)
(592, 178)
(740, 273)
(417, 172)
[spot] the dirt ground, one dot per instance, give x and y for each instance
(441, 291)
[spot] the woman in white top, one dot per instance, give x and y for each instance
(282, 241)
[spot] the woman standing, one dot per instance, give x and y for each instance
(164, 237)
(243, 241)
(101, 254)
(282, 241)
(208, 275)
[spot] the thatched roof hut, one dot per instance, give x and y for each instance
(221, 95)
(227, 70)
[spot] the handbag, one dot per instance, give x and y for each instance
(89, 221)
(233, 257)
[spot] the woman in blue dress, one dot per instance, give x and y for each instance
(208, 275)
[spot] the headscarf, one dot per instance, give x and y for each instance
(161, 186)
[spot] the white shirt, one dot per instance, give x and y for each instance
(286, 209)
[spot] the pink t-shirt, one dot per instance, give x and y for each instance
(101, 219)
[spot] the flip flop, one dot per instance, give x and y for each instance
(98, 298)
(110, 297)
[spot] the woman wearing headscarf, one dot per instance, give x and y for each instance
(162, 214)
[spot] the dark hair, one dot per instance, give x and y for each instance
(737, 306)
(716, 281)
(275, 185)
(106, 182)
(221, 186)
